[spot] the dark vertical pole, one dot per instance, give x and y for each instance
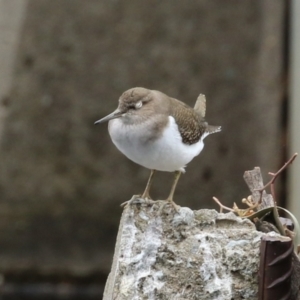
(275, 268)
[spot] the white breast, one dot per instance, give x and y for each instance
(166, 153)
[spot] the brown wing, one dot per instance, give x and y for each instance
(190, 125)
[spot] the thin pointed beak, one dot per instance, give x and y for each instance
(113, 115)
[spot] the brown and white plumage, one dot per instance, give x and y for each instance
(158, 132)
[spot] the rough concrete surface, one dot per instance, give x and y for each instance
(161, 254)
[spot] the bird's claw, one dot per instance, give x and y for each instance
(166, 202)
(137, 199)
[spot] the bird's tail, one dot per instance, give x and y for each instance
(212, 129)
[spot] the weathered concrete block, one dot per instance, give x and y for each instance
(161, 254)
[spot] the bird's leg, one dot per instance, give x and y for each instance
(170, 197)
(145, 197)
(146, 194)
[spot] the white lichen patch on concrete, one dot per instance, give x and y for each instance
(212, 270)
(164, 254)
(137, 258)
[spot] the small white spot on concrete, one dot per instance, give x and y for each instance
(184, 216)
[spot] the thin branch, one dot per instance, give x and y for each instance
(275, 175)
(222, 206)
(272, 187)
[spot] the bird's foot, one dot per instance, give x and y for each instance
(168, 202)
(138, 199)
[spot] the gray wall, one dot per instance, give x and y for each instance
(294, 109)
(61, 178)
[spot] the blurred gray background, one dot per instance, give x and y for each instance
(65, 63)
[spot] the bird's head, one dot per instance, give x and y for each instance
(131, 104)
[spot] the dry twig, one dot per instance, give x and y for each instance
(222, 206)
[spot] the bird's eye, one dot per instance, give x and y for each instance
(138, 105)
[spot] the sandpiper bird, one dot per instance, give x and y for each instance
(158, 132)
